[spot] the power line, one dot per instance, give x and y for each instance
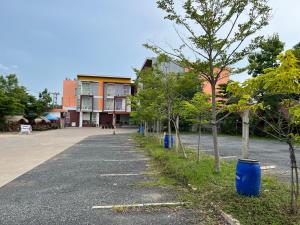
(54, 97)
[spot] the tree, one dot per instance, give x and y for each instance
(15, 100)
(216, 34)
(160, 94)
(266, 57)
(281, 81)
(12, 97)
(198, 111)
(296, 52)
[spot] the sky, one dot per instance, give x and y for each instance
(46, 41)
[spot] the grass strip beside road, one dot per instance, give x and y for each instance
(272, 207)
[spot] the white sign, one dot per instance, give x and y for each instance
(26, 129)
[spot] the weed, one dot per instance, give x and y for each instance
(271, 207)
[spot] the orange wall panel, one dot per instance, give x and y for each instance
(224, 78)
(69, 95)
(101, 93)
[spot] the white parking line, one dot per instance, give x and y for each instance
(139, 205)
(124, 160)
(229, 157)
(268, 167)
(120, 174)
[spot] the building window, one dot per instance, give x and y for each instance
(109, 104)
(118, 104)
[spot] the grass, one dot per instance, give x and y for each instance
(219, 189)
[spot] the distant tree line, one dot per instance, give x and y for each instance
(15, 100)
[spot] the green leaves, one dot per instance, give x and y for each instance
(266, 57)
(14, 99)
(197, 109)
(281, 83)
(160, 91)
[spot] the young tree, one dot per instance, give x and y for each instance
(198, 111)
(161, 92)
(216, 35)
(283, 81)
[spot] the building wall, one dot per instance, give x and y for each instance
(224, 78)
(99, 95)
(80, 95)
(69, 94)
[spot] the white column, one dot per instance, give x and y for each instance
(80, 119)
(97, 119)
(245, 117)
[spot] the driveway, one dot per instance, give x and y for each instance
(268, 152)
(98, 171)
(21, 153)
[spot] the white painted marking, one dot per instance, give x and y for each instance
(229, 157)
(268, 167)
(120, 174)
(139, 205)
(120, 146)
(124, 160)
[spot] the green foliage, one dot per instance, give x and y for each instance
(266, 57)
(12, 96)
(15, 100)
(214, 38)
(159, 91)
(215, 31)
(271, 207)
(197, 109)
(296, 52)
(283, 82)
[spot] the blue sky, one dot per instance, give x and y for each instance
(45, 41)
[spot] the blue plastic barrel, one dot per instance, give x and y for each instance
(248, 177)
(141, 130)
(166, 141)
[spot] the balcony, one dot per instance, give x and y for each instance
(86, 103)
(116, 104)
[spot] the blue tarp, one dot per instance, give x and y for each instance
(52, 117)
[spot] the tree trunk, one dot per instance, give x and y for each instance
(169, 125)
(245, 131)
(294, 179)
(179, 139)
(146, 129)
(159, 130)
(177, 130)
(215, 129)
(199, 137)
(114, 123)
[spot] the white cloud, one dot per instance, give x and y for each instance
(8, 68)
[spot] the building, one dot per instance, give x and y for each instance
(96, 100)
(172, 67)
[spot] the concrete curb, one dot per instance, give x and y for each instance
(228, 218)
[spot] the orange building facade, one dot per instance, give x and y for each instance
(224, 78)
(93, 100)
(172, 67)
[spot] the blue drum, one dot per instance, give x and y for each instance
(166, 141)
(248, 177)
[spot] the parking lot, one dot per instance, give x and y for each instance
(76, 185)
(21, 153)
(269, 152)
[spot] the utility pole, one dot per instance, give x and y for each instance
(54, 98)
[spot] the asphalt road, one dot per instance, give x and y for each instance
(64, 189)
(268, 152)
